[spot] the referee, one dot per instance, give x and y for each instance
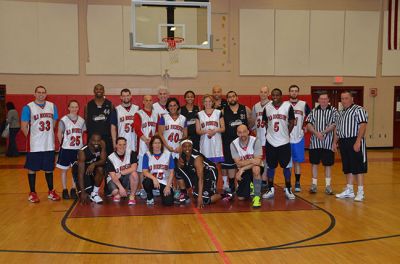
(321, 122)
(351, 127)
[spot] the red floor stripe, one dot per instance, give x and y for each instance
(211, 236)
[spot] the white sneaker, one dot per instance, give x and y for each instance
(289, 195)
(142, 194)
(270, 194)
(94, 197)
(359, 197)
(150, 202)
(347, 193)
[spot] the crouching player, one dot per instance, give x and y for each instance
(122, 172)
(88, 170)
(197, 172)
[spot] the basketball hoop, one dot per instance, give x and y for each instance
(173, 45)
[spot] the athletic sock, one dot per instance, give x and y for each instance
(96, 189)
(328, 181)
(315, 181)
(257, 187)
(288, 185)
(297, 176)
(287, 173)
(350, 186)
(360, 189)
(32, 181)
(232, 185)
(49, 180)
(264, 182)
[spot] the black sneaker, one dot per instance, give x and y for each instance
(73, 194)
(65, 194)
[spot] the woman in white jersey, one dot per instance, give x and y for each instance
(70, 136)
(172, 127)
(158, 169)
(209, 125)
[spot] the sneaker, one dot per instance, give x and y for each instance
(131, 201)
(313, 188)
(65, 194)
(156, 192)
(33, 198)
(256, 202)
(116, 199)
(359, 197)
(95, 197)
(347, 193)
(183, 198)
(150, 202)
(269, 194)
(328, 190)
(73, 194)
(227, 196)
(53, 196)
(142, 194)
(297, 187)
(289, 195)
(251, 189)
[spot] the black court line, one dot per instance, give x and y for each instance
(327, 230)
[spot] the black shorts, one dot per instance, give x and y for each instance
(88, 179)
(228, 163)
(326, 156)
(190, 178)
(281, 155)
(42, 160)
(353, 162)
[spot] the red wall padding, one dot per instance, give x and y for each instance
(61, 101)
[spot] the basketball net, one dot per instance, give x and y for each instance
(173, 45)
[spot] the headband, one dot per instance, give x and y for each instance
(186, 141)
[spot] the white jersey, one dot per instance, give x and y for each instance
(149, 126)
(73, 132)
(125, 119)
(119, 164)
(41, 127)
(159, 109)
(278, 124)
(159, 167)
(297, 133)
(211, 148)
(247, 152)
(257, 113)
(173, 131)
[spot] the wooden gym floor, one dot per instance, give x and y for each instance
(316, 228)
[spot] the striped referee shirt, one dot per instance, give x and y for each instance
(321, 119)
(349, 121)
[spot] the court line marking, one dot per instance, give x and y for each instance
(211, 235)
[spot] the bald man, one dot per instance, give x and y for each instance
(247, 153)
(159, 107)
(219, 102)
(259, 127)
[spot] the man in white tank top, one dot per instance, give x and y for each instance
(122, 121)
(70, 135)
(301, 111)
(37, 123)
(247, 153)
(160, 107)
(145, 128)
(279, 118)
(259, 126)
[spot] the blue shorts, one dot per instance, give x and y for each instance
(43, 160)
(66, 158)
(298, 151)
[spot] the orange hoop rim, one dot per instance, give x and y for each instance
(172, 41)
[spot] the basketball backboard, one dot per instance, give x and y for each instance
(153, 21)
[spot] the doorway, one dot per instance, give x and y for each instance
(334, 94)
(396, 117)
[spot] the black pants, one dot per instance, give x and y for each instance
(12, 150)
(149, 186)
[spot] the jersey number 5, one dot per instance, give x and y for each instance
(276, 126)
